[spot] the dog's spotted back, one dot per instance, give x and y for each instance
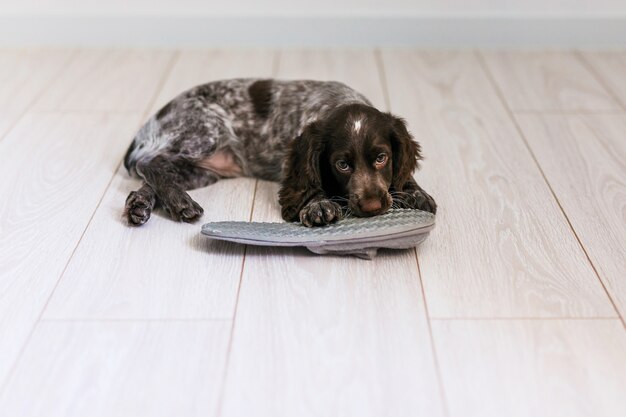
(254, 119)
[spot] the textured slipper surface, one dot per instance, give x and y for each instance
(396, 229)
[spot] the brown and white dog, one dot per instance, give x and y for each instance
(332, 151)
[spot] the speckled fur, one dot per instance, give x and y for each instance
(253, 120)
(221, 114)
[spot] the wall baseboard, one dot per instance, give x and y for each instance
(314, 31)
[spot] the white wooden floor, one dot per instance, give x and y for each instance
(514, 306)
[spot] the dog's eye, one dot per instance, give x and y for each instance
(381, 158)
(342, 165)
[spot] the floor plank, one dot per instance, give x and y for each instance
(502, 247)
(8, 118)
(551, 368)
(328, 335)
(113, 80)
(25, 74)
(119, 369)
(611, 67)
(583, 158)
(137, 272)
(335, 65)
(162, 270)
(556, 80)
(55, 168)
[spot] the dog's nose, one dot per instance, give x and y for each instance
(370, 206)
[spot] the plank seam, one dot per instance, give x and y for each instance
(382, 75)
(84, 111)
(511, 116)
(166, 73)
(383, 80)
(234, 315)
(37, 96)
(134, 320)
(220, 401)
(569, 112)
(523, 318)
(442, 393)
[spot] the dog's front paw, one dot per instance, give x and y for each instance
(320, 213)
(419, 200)
(423, 201)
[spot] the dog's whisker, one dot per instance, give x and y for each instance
(400, 194)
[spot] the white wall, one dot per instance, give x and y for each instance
(202, 23)
(313, 7)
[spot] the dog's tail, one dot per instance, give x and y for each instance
(146, 144)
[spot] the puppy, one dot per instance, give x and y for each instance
(331, 150)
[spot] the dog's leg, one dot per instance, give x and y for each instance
(168, 177)
(172, 183)
(139, 205)
(412, 196)
(172, 154)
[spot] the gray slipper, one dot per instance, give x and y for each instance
(362, 237)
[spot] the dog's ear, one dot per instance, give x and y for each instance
(302, 180)
(406, 152)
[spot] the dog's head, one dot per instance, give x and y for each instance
(357, 153)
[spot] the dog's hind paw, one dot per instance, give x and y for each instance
(138, 208)
(181, 207)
